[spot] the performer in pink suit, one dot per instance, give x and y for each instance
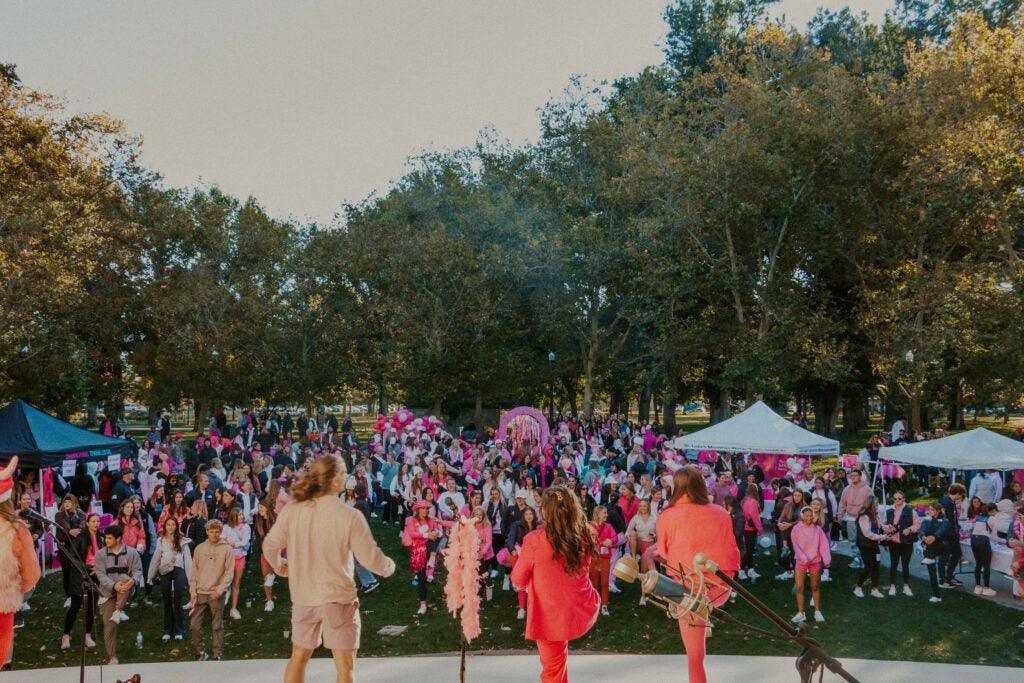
(554, 567)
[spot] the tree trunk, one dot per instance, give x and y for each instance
(200, 423)
(826, 410)
(719, 401)
(90, 416)
(436, 412)
(478, 410)
(855, 413)
(588, 387)
(669, 409)
(644, 409)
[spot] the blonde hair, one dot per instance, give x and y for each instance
(317, 481)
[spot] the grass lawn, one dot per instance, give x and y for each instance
(962, 629)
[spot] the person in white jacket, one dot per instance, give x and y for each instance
(172, 560)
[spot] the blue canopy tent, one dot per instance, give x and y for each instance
(40, 440)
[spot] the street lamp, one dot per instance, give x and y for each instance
(551, 387)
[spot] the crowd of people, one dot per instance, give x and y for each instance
(194, 517)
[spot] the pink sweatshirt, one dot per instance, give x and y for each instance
(810, 544)
(752, 513)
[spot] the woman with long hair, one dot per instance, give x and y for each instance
(752, 528)
(482, 525)
(238, 535)
(194, 524)
(554, 569)
(86, 544)
(513, 544)
(642, 533)
(420, 530)
(811, 555)
(72, 520)
(902, 525)
(691, 524)
(19, 568)
(262, 523)
(176, 507)
(869, 535)
(173, 560)
(600, 568)
(788, 518)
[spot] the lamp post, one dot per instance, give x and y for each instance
(551, 386)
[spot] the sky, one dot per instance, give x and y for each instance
(306, 104)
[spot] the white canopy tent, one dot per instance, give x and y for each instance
(758, 429)
(977, 449)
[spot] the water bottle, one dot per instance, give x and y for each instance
(138, 640)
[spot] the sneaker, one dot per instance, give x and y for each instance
(489, 593)
(819, 617)
(825, 576)
(133, 604)
(934, 599)
(956, 582)
(494, 573)
(217, 658)
(89, 642)
(643, 600)
(906, 591)
(1020, 625)
(892, 590)
(235, 614)
(165, 637)
(99, 601)
(202, 657)
(415, 582)
(65, 642)
(124, 617)
(148, 602)
(269, 581)
(833, 546)
(799, 618)
(269, 607)
(875, 593)
(742, 575)
(988, 591)
(25, 607)
(604, 611)
(857, 563)
(784, 576)
(67, 603)
(422, 609)
(506, 584)
(946, 584)
(19, 621)
(752, 575)
(187, 606)
(113, 662)
(178, 636)
(370, 588)
(977, 590)
(116, 617)
(859, 592)
(521, 614)
(928, 560)
(612, 588)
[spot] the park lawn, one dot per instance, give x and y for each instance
(962, 629)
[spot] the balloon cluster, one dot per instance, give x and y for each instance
(404, 421)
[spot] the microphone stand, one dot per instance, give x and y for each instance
(66, 544)
(812, 656)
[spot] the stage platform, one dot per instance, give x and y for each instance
(516, 668)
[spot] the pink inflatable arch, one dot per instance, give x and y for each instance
(523, 423)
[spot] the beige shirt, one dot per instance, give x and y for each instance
(320, 537)
(213, 567)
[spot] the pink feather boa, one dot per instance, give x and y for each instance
(461, 590)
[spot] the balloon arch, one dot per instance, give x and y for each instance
(523, 424)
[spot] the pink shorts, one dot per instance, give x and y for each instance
(337, 625)
(805, 567)
(239, 563)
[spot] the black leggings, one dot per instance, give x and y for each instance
(72, 613)
(933, 578)
(421, 584)
(870, 557)
(900, 553)
(981, 546)
(173, 586)
(749, 545)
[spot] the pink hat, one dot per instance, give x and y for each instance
(420, 505)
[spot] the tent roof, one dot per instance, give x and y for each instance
(758, 429)
(976, 449)
(41, 440)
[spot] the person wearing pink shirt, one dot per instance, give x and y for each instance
(606, 536)
(811, 553)
(553, 567)
(752, 528)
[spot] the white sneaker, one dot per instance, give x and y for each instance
(812, 601)
(26, 607)
(784, 576)
(506, 584)
(819, 617)
(67, 603)
(934, 599)
(187, 606)
(859, 592)
(604, 611)
(742, 575)
(422, 609)
(99, 601)
(825, 576)
(489, 593)
(115, 617)
(643, 600)
(892, 590)
(875, 593)
(752, 575)
(988, 591)
(165, 637)
(928, 560)
(799, 618)
(235, 614)
(124, 617)
(269, 606)
(906, 591)
(521, 614)
(269, 581)
(977, 590)
(612, 588)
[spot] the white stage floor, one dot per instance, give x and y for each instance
(520, 668)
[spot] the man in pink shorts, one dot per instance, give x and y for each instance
(320, 536)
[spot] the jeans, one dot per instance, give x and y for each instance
(981, 546)
(950, 560)
(851, 534)
(366, 577)
(173, 585)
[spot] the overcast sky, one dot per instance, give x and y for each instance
(305, 105)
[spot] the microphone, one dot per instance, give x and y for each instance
(29, 513)
(677, 599)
